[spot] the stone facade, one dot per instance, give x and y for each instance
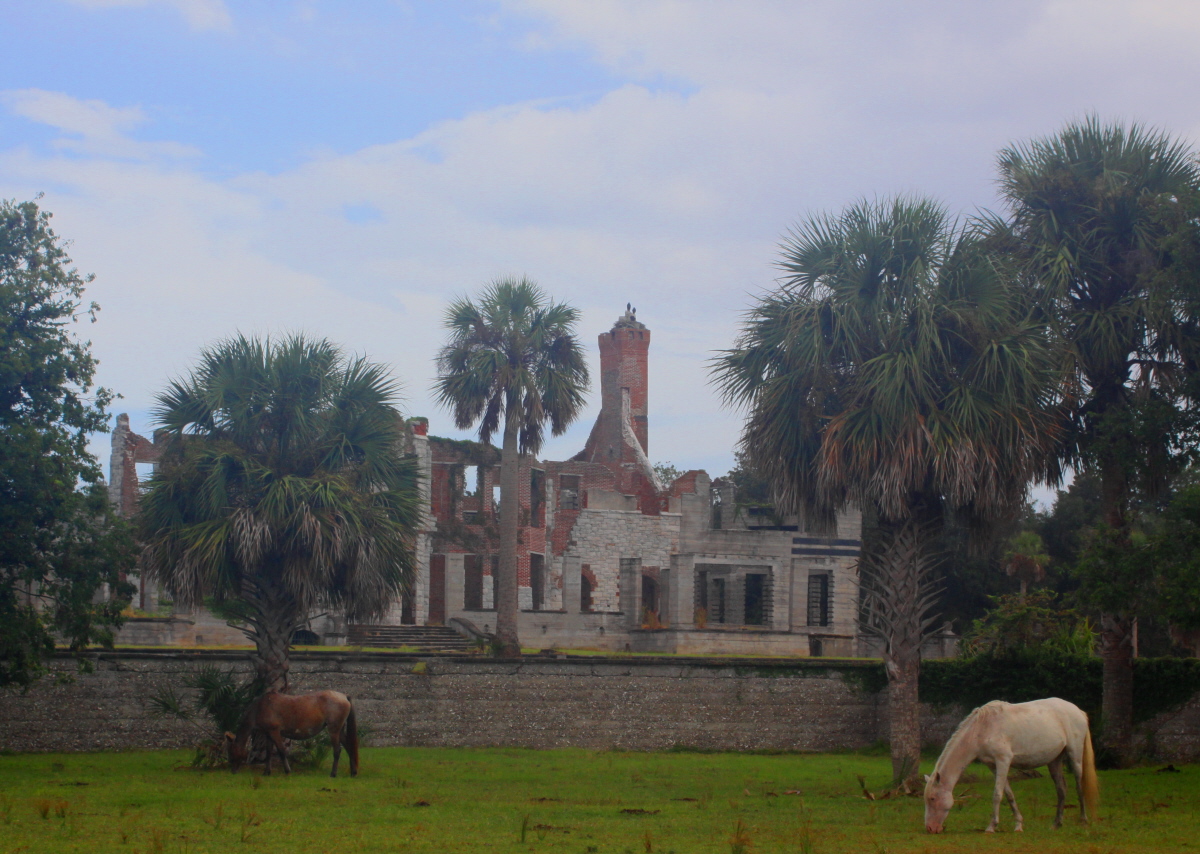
(609, 558)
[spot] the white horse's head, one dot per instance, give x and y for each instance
(938, 799)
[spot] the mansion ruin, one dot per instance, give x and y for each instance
(609, 558)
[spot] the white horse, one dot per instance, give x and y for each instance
(1016, 735)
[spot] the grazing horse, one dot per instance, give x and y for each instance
(280, 716)
(1016, 735)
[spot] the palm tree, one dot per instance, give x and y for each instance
(1025, 559)
(283, 489)
(894, 368)
(512, 358)
(1091, 209)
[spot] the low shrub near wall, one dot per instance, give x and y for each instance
(1160, 684)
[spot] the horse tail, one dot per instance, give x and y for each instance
(1091, 783)
(350, 737)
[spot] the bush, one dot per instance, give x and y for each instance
(1159, 684)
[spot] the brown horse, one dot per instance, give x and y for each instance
(280, 716)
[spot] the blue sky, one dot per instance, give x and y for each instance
(346, 167)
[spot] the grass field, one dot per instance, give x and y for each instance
(505, 800)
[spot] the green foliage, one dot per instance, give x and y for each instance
(218, 700)
(751, 486)
(1163, 685)
(59, 543)
(1115, 572)
(512, 354)
(1016, 676)
(1101, 216)
(1029, 623)
(1174, 552)
(1160, 684)
(283, 486)
(667, 473)
(471, 453)
(1076, 511)
(897, 342)
(218, 695)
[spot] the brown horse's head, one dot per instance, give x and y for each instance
(237, 753)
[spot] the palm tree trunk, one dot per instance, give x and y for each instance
(900, 592)
(1116, 648)
(1116, 635)
(506, 584)
(904, 711)
(272, 623)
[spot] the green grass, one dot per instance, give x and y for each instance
(507, 800)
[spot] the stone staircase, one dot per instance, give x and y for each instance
(425, 638)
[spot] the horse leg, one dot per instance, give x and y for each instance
(1012, 803)
(335, 737)
(1001, 771)
(277, 740)
(1060, 787)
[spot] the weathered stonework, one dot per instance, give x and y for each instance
(600, 703)
(607, 557)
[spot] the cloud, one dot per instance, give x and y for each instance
(670, 190)
(199, 14)
(99, 129)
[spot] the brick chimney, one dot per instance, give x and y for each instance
(619, 438)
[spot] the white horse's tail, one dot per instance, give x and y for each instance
(1091, 783)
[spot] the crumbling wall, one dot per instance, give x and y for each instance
(601, 538)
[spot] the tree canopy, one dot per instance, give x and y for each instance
(283, 487)
(897, 367)
(59, 544)
(1100, 217)
(512, 364)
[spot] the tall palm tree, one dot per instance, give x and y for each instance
(513, 359)
(283, 489)
(1090, 210)
(894, 368)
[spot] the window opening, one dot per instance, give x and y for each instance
(756, 611)
(472, 582)
(818, 600)
(649, 599)
(437, 590)
(568, 492)
(537, 580)
(537, 498)
(585, 592)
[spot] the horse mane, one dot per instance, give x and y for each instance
(966, 725)
(246, 724)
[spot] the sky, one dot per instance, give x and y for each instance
(347, 168)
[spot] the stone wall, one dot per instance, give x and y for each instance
(640, 704)
(626, 703)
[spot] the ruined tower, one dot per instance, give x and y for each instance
(619, 438)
